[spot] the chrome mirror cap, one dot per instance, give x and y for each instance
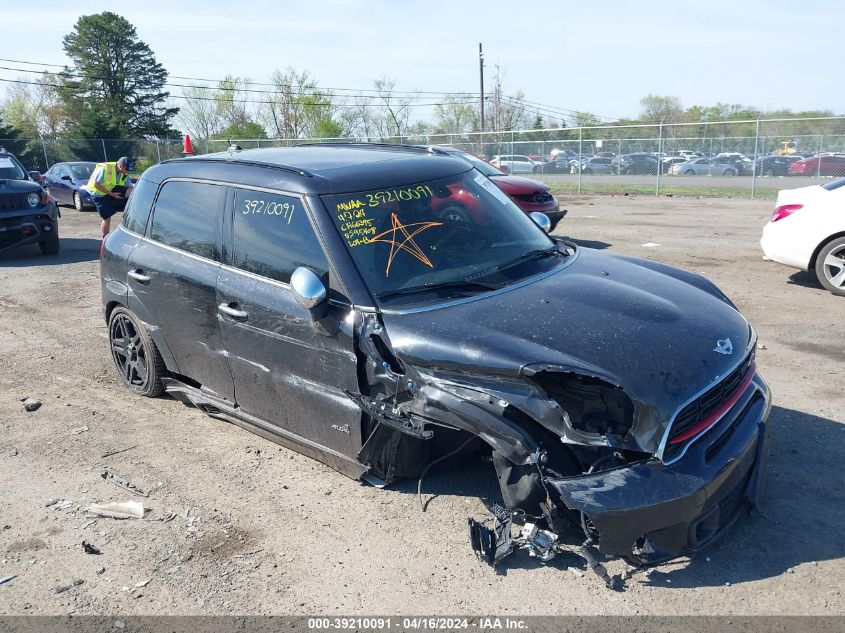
(542, 220)
(308, 289)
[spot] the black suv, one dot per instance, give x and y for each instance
(27, 213)
(325, 298)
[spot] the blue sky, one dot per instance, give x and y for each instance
(601, 57)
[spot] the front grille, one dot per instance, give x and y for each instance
(13, 201)
(538, 198)
(706, 405)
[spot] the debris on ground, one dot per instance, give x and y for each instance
(13, 452)
(58, 504)
(184, 558)
(90, 549)
(78, 429)
(31, 404)
(74, 583)
(118, 510)
(3, 581)
(143, 583)
(121, 482)
(122, 450)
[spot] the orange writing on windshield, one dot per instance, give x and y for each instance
(394, 236)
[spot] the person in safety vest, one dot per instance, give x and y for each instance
(108, 183)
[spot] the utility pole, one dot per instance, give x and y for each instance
(481, 78)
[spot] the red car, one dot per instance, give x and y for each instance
(822, 165)
(529, 195)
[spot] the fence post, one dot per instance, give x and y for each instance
(580, 143)
(46, 160)
(105, 156)
(659, 143)
(819, 164)
(754, 164)
(158, 151)
(206, 145)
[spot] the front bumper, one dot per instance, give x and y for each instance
(649, 512)
(25, 229)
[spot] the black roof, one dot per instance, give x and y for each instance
(318, 168)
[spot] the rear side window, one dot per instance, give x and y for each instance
(187, 216)
(139, 206)
(273, 237)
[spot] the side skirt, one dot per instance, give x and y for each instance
(224, 410)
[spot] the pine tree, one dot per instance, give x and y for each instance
(116, 74)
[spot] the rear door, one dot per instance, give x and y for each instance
(285, 372)
(172, 280)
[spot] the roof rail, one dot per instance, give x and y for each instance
(422, 149)
(252, 163)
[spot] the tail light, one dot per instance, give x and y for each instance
(785, 210)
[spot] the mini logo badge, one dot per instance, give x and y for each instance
(724, 346)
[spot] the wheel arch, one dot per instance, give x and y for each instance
(154, 332)
(821, 245)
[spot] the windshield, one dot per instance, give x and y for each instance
(10, 168)
(81, 171)
(439, 239)
(481, 165)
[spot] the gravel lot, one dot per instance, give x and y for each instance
(260, 529)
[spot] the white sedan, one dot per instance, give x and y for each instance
(807, 231)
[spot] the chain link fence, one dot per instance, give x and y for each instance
(751, 157)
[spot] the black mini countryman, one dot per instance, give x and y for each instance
(330, 299)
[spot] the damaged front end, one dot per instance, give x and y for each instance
(577, 459)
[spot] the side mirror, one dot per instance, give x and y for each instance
(308, 289)
(541, 220)
(35, 175)
(66, 177)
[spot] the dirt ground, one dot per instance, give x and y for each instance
(259, 529)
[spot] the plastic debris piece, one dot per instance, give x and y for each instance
(121, 482)
(143, 583)
(78, 429)
(74, 583)
(118, 510)
(122, 450)
(3, 581)
(650, 245)
(31, 404)
(90, 549)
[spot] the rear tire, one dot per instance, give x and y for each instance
(729, 172)
(50, 246)
(830, 266)
(689, 172)
(136, 357)
(587, 172)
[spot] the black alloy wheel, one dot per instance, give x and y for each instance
(135, 356)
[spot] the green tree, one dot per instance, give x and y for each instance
(117, 74)
(10, 139)
(95, 136)
(241, 131)
(661, 109)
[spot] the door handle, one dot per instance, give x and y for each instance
(138, 275)
(227, 309)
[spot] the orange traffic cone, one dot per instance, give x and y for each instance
(188, 147)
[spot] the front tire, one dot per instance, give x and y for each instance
(830, 266)
(51, 245)
(77, 202)
(136, 357)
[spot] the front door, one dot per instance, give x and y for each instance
(285, 371)
(172, 280)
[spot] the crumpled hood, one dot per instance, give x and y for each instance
(646, 327)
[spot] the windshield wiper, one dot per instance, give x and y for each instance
(457, 283)
(536, 253)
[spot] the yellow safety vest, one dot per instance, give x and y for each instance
(111, 178)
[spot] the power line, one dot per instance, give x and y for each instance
(252, 101)
(250, 82)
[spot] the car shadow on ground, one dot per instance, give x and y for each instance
(72, 251)
(800, 522)
(596, 244)
(805, 279)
